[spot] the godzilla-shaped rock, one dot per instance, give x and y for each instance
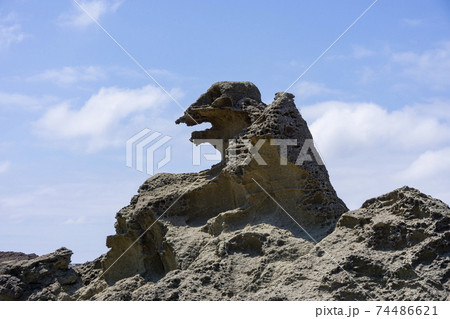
(175, 215)
(263, 224)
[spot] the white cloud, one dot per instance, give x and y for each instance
(95, 8)
(169, 75)
(70, 75)
(100, 122)
(305, 89)
(430, 67)
(429, 172)
(75, 221)
(4, 166)
(412, 22)
(10, 31)
(24, 101)
(342, 127)
(370, 150)
(366, 74)
(428, 165)
(293, 63)
(434, 107)
(164, 73)
(360, 52)
(26, 199)
(20, 100)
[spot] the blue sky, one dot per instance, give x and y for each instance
(377, 102)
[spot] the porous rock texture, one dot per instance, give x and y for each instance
(243, 230)
(46, 277)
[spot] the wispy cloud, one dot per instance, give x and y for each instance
(10, 31)
(435, 107)
(70, 75)
(4, 166)
(431, 67)
(27, 198)
(99, 122)
(360, 52)
(366, 74)
(424, 69)
(170, 75)
(75, 221)
(27, 102)
(429, 165)
(306, 89)
(412, 22)
(96, 9)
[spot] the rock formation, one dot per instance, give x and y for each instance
(263, 224)
(227, 197)
(38, 278)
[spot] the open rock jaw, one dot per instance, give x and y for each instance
(230, 107)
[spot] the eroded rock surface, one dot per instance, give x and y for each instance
(198, 207)
(243, 230)
(395, 247)
(6, 256)
(47, 277)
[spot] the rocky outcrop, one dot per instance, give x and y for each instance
(395, 247)
(263, 224)
(6, 256)
(174, 215)
(47, 277)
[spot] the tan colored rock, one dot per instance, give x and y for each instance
(396, 247)
(227, 197)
